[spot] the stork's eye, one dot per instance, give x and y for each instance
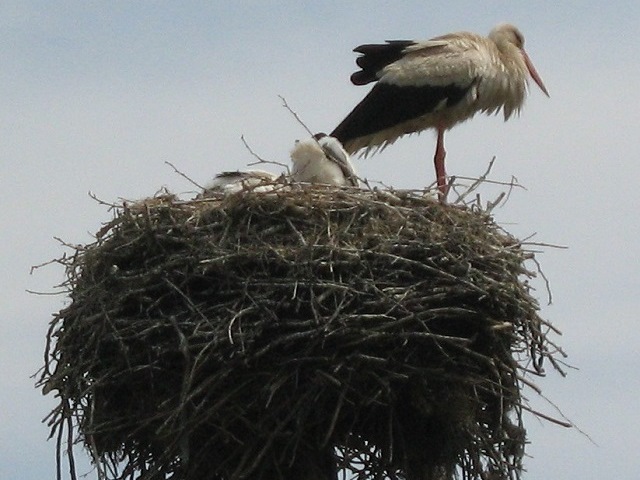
(519, 39)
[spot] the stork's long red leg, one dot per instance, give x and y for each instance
(438, 160)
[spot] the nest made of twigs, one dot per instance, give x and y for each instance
(291, 333)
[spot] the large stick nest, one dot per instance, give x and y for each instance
(287, 334)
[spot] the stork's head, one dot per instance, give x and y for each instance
(507, 36)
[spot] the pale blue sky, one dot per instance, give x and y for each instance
(96, 96)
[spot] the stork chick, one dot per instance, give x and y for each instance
(322, 159)
(236, 181)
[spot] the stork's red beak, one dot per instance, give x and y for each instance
(534, 73)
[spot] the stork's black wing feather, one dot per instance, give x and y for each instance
(387, 106)
(375, 57)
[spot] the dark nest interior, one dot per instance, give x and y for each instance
(294, 334)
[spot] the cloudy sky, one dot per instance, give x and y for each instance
(97, 96)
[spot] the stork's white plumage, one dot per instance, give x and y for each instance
(322, 159)
(436, 84)
(232, 182)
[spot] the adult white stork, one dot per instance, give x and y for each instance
(322, 159)
(436, 84)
